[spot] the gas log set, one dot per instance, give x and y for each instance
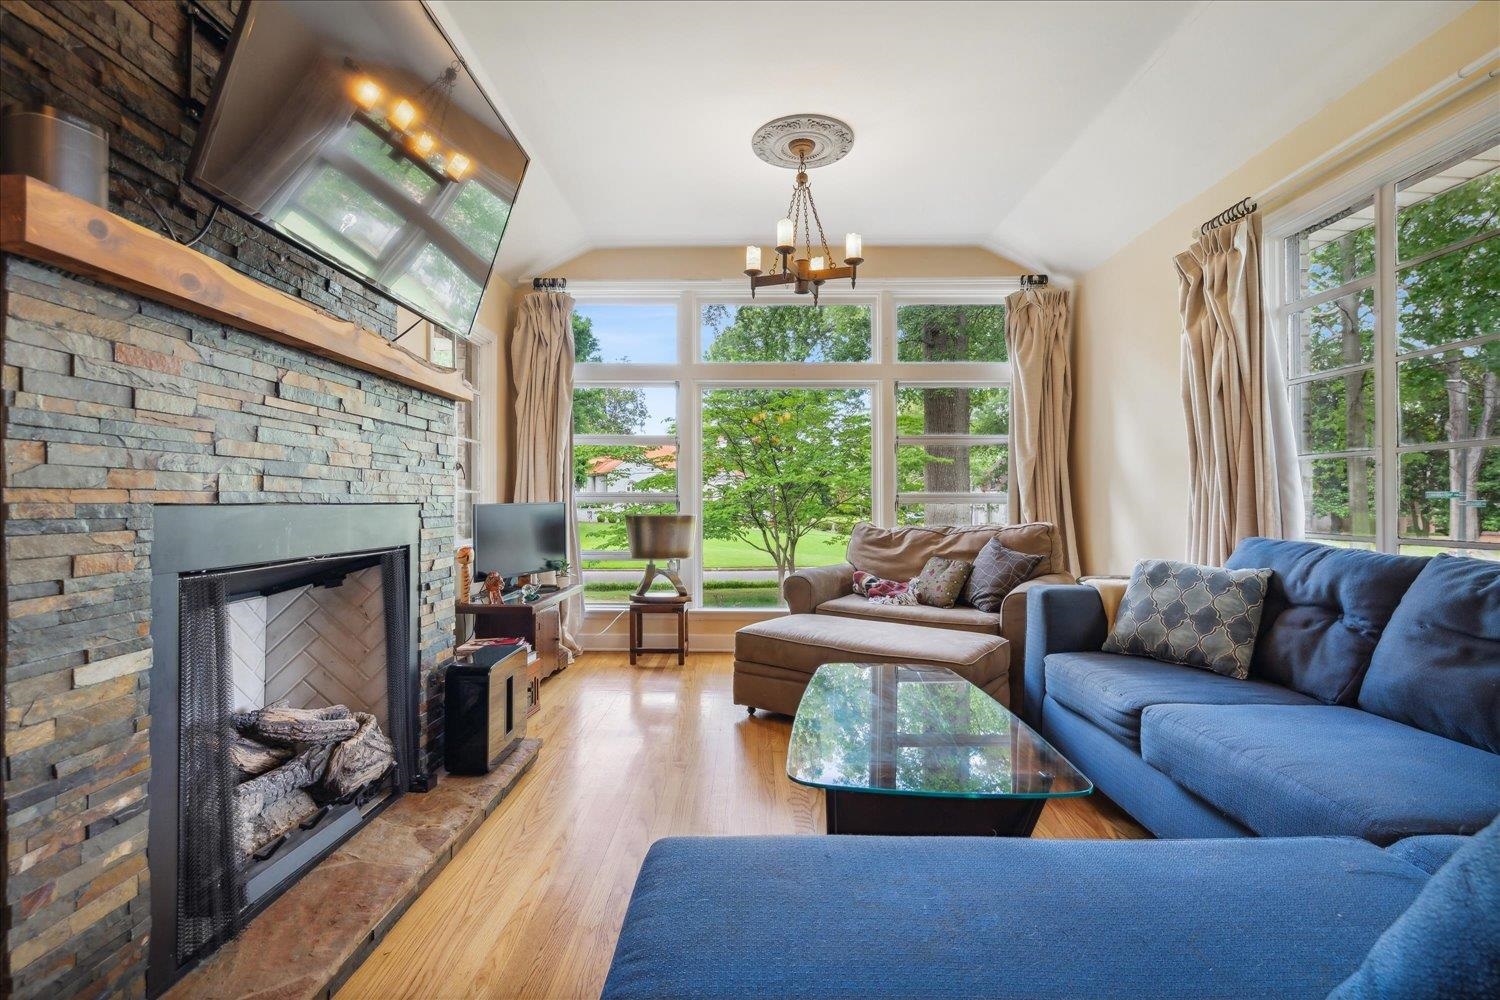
(295, 763)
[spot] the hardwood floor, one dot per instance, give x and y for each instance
(532, 904)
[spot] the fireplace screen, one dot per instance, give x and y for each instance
(295, 708)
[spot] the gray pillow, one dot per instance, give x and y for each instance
(941, 581)
(1198, 616)
(997, 571)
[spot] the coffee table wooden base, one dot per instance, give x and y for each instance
(928, 816)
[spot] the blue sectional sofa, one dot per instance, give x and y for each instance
(1314, 802)
(929, 918)
(1372, 708)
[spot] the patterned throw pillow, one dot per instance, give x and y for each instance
(997, 571)
(941, 581)
(1199, 616)
(880, 591)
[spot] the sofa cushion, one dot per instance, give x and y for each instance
(997, 571)
(900, 553)
(943, 918)
(1437, 666)
(1322, 769)
(1111, 690)
(802, 643)
(1447, 943)
(1199, 616)
(1324, 612)
(959, 617)
(1430, 851)
(941, 581)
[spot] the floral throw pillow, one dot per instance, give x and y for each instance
(881, 591)
(1198, 616)
(941, 581)
(997, 571)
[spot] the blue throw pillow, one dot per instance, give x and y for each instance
(1446, 946)
(1437, 666)
(1198, 616)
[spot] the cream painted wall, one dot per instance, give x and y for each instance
(1129, 461)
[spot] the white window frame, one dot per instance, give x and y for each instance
(1377, 177)
(482, 485)
(879, 376)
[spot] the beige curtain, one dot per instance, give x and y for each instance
(1038, 331)
(1243, 478)
(541, 357)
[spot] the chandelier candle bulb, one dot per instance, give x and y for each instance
(423, 144)
(458, 165)
(752, 259)
(366, 93)
(784, 234)
(818, 263)
(854, 247)
(403, 114)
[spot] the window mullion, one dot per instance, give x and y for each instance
(1387, 465)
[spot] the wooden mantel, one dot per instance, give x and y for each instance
(43, 223)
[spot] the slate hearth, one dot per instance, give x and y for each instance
(308, 942)
(116, 405)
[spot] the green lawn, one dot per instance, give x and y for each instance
(820, 548)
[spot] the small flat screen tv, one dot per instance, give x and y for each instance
(516, 538)
(356, 131)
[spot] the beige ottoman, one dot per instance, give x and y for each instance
(774, 659)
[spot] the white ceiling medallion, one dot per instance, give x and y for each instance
(831, 141)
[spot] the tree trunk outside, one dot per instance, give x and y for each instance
(1361, 521)
(946, 411)
(1465, 463)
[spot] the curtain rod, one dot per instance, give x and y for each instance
(1033, 281)
(1233, 213)
(549, 284)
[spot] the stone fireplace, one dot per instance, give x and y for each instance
(145, 444)
(283, 692)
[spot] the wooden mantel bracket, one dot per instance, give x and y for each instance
(42, 223)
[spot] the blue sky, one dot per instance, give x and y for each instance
(644, 334)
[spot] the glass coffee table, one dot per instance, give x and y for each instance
(918, 750)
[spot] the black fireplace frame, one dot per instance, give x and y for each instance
(190, 538)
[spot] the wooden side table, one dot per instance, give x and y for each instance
(539, 622)
(638, 612)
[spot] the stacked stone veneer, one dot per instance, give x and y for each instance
(114, 405)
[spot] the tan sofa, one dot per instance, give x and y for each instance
(900, 554)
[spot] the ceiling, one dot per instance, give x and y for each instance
(1052, 134)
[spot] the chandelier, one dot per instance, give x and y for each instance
(803, 142)
(401, 122)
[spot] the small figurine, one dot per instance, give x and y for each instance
(463, 557)
(493, 584)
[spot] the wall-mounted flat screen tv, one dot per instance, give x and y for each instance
(355, 130)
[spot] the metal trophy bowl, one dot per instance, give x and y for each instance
(660, 536)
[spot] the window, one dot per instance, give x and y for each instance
(779, 424)
(620, 333)
(1393, 367)
(790, 333)
(952, 454)
(970, 332)
(786, 475)
(468, 356)
(465, 355)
